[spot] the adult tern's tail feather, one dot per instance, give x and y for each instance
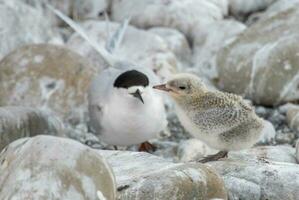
(111, 60)
(115, 40)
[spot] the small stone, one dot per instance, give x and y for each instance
(293, 118)
(297, 151)
(285, 137)
(268, 133)
(193, 150)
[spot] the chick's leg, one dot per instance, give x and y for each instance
(147, 147)
(217, 156)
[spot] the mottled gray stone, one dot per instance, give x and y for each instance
(46, 76)
(144, 176)
(47, 167)
(19, 122)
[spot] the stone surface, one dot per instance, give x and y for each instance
(176, 42)
(279, 6)
(21, 24)
(77, 9)
(144, 176)
(187, 16)
(293, 118)
(46, 76)
(259, 179)
(279, 153)
(138, 46)
(297, 151)
(47, 167)
(262, 62)
(193, 150)
(243, 7)
(268, 133)
(19, 122)
(212, 38)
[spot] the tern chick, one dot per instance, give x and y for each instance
(224, 121)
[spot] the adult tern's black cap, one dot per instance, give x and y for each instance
(131, 78)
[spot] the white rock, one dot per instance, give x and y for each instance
(268, 132)
(47, 167)
(176, 42)
(21, 24)
(139, 46)
(297, 151)
(19, 122)
(283, 109)
(182, 15)
(280, 153)
(207, 44)
(77, 9)
(239, 7)
(293, 118)
(280, 6)
(259, 179)
(193, 150)
(144, 176)
(90, 9)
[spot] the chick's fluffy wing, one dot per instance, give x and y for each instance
(222, 111)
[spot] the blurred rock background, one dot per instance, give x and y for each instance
(247, 47)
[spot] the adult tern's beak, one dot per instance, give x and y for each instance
(137, 95)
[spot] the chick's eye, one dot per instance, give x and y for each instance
(182, 87)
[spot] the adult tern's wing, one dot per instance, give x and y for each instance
(98, 95)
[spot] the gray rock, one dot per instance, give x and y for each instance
(262, 62)
(19, 122)
(210, 40)
(183, 15)
(293, 118)
(144, 176)
(297, 151)
(259, 179)
(193, 150)
(46, 76)
(243, 7)
(176, 42)
(268, 133)
(139, 46)
(283, 109)
(279, 6)
(21, 24)
(77, 9)
(47, 167)
(280, 153)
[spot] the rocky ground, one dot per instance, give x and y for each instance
(248, 47)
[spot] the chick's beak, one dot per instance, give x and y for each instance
(162, 87)
(137, 95)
